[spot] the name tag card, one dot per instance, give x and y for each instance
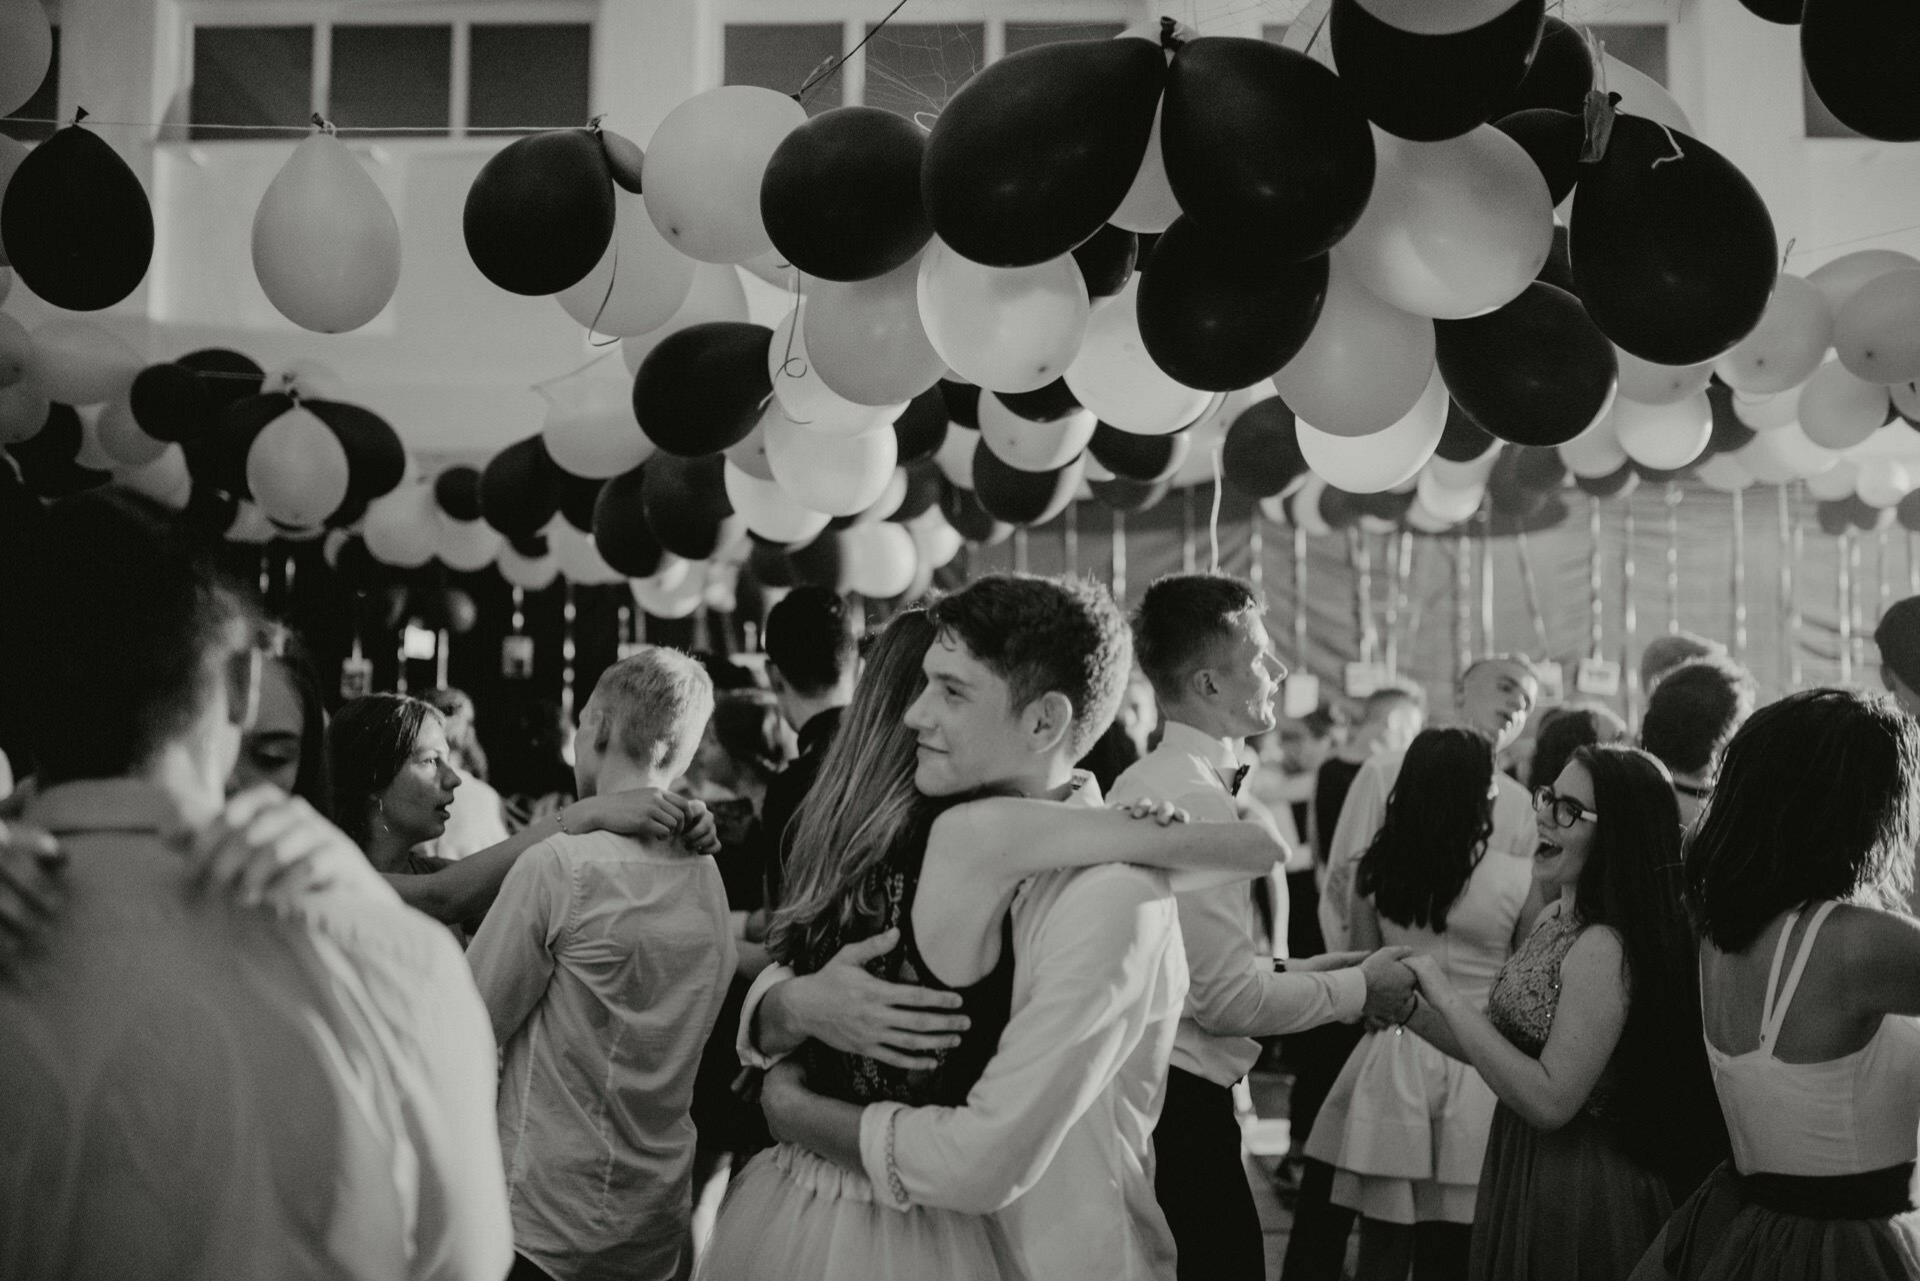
(1597, 677)
(516, 657)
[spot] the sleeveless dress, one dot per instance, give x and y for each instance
(1820, 1186)
(793, 1215)
(1566, 1204)
(1405, 1126)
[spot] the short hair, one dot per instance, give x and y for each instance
(1042, 635)
(130, 629)
(1180, 620)
(746, 725)
(1512, 659)
(1565, 730)
(1664, 653)
(368, 742)
(1815, 800)
(654, 704)
(1898, 636)
(1694, 712)
(1394, 694)
(810, 639)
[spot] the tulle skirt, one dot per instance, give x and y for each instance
(795, 1216)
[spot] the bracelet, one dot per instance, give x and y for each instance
(894, 1184)
(1413, 1008)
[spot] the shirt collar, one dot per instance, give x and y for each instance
(1220, 753)
(104, 805)
(819, 728)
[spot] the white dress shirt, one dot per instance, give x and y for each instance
(1366, 809)
(1234, 994)
(603, 965)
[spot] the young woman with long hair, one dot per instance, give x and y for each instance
(1796, 879)
(1606, 1113)
(1405, 1126)
(864, 846)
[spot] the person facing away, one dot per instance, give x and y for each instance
(1202, 641)
(811, 660)
(1810, 999)
(1690, 720)
(194, 1085)
(1055, 1137)
(603, 965)
(1665, 653)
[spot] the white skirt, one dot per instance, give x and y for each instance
(795, 1216)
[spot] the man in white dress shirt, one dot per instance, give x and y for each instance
(1056, 1136)
(1202, 642)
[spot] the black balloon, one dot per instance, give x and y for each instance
(1048, 404)
(376, 458)
(578, 496)
(972, 521)
(1868, 517)
(1217, 319)
(209, 510)
(703, 388)
(1552, 140)
(219, 457)
(1338, 508)
(170, 402)
(620, 530)
(1463, 439)
(1558, 268)
(1534, 372)
(768, 562)
(962, 401)
(1835, 516)
(1131, 456)
(1131, 496)
(540, 213)
(1037, 151)
(1386, 505)
(1261, 455)
(229, 376)
(1620, 481)
(1023, 497)
(1729, 433)
(1908, 512)
(1673, 249)
(76, 222)
(520, 489)
(1784, 12)
(1264, 146)
(1860, 56)
(1560, 76)
(457, 490)
(822, 563)
(625, 161)
(1106, 260)
(1522, 478)
(1428, 88)
(921, 428)
(686, 503)
(47, 458)
(841, 194)
(924, 483)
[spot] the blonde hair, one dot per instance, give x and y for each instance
(657, 702)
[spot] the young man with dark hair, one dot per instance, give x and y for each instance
(1204, 645)
(1025, 673)
(811, 661)
(1690, 719)
(191, 1086)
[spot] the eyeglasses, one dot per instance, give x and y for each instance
(1564, 810)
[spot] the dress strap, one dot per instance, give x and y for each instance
(1774, 1013)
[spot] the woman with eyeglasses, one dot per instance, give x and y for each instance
(1404, 1126)
(1589, 1037)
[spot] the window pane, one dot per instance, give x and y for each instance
(392, 77)
(1642, 47)
(531, 75)
(1274, 32)
(1025, 35)
(44, 104)
(783, 58)
(250, 76)
(913, 69)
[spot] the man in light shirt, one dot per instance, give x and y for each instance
(1202, 642)
(603, 965)
(1056, 1136)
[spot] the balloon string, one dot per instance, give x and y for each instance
(612, 277)
(1315, 37)
(571, 373)
(1678, 152)
(822, 74)
(1213, 518)
(1784, 255)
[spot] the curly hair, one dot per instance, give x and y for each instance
(1439, 817)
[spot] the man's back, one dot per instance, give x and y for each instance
(603, 965)
(191, 1090)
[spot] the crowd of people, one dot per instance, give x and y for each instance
(938, 954)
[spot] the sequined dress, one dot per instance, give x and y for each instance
(1566, 1204)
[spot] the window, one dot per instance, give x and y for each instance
(44, 105)
(250, 76)
(783, 58)
(391, 76)
(519, 74)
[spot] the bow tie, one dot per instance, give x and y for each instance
(1239, 777)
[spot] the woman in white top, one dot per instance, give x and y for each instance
(1810, 988)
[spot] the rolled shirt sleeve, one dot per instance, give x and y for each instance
(749, 1053)
(1235, 991)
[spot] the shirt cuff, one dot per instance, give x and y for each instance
(743, 1046)
(1348, 988)
(877, 1122)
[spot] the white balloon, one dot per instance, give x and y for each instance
(401, 528)
(1149, 205)
(467, 545)
(806, 399)
(1842, 278)
(715, 294)
(955, 457)
(838, 475)
(91, 453)
(675, 593)
(1365, 363)
(1474, 471)
(1595, 452)
(165, 479)
(1005, 328)
(1724, 472)
(937, 541)
(297, 469)
(580, 561)
(1376, 463)
(867, 340)
(1838, 410)
(883, 507)
(1663, 437)
(639, 282)
(881, 559)
(326, 246)
(769, 510)
(1450, 506)
(590, 429)
(1786, 346)
(81, 363)
(1877, 334)
(1883, 482)
(1652, 384)
(23, 410)
(1768, 413)
(750, 455)
(250, 525)
(1117, 381)
(529, 573)
(1836, 483)
(26, 52)
(1031, 446)
(703, 170)
(123, 441)
(1776, 457)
